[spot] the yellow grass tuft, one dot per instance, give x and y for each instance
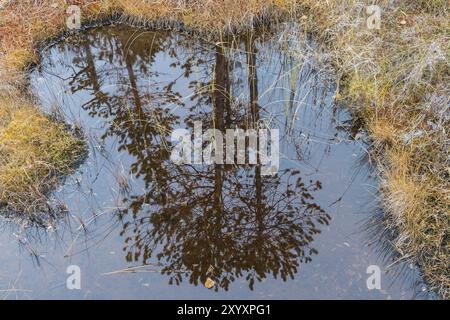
(34, 153)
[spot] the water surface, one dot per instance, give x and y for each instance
(141, 226)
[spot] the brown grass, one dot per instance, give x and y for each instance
(395, 79)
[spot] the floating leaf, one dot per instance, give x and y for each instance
(209, 283)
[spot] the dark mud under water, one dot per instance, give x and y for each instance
(297, 234)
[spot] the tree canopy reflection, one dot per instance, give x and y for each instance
(221, 222)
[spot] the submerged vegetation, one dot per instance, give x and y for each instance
(394, 79)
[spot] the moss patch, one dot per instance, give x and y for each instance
(34, 153)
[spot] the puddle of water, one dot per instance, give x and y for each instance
(141, 226)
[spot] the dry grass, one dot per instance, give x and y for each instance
(396, 79)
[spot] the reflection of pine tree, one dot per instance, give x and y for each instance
(216, 221)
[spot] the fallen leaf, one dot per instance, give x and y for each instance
(209, 283)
